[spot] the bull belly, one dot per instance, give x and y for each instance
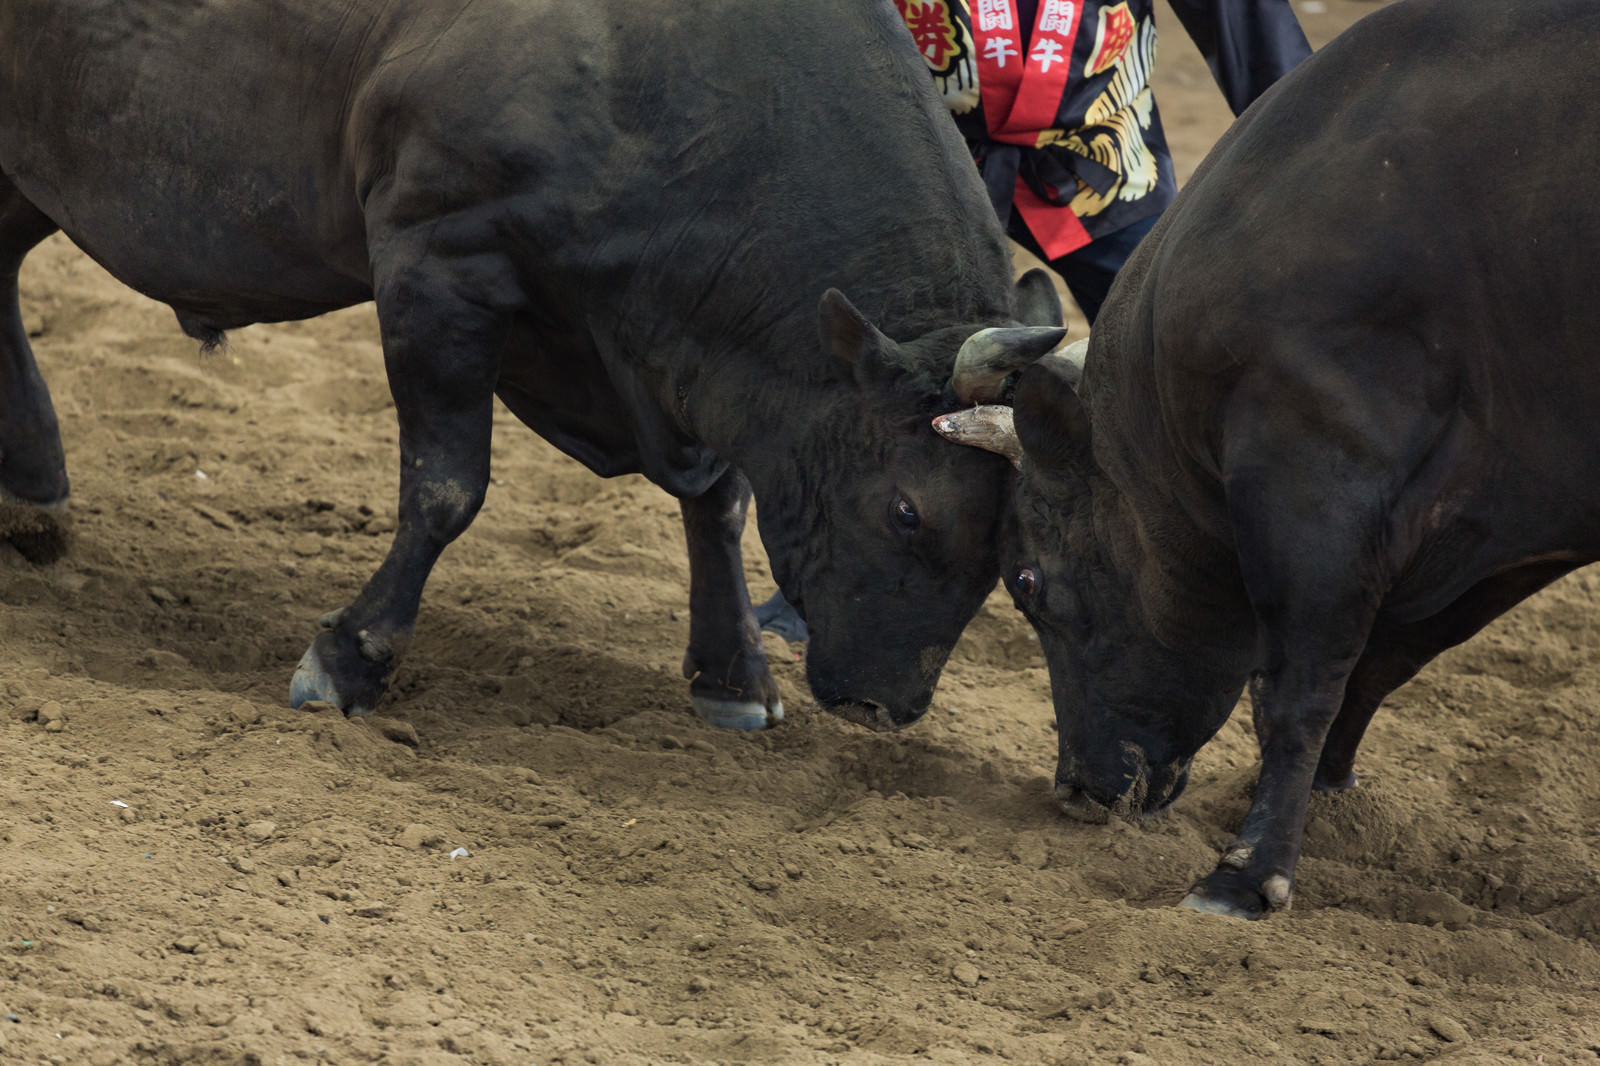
(556, 383)
(1435, 582)
(217, 274)
(206, 314)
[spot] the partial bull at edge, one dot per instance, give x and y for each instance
(1336, 416)
(634, 251)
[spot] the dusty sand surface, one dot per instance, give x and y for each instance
(195, 874)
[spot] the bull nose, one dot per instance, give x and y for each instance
(1179, 782)
(875, 716)
(1135, 795)
(1077, 804)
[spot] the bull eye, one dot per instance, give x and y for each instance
(905, 515)
(1025, 583)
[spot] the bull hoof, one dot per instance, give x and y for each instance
(314, 681)
(1234, 893)
(1194, 901)
(737, 714)
(40, 533)
(1334, 782)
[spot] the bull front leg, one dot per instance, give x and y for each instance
(1313, 571)
(442, 355)
(33, 469)
(730, 685)
(1256, 874)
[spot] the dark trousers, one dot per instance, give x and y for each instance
(1089, 271)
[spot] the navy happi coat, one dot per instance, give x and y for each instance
(1101, 156)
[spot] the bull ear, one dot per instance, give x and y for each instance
(1052, 423)
(848, 335)
(1038, 303)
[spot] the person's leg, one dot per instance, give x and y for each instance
(777, 615)
(1089, 271)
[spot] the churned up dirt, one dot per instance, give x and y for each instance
(537, 854)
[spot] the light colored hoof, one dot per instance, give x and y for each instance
(1196, 902)
(737, 714)
(29, 507)
(312, 682)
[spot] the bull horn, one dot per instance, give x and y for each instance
(1073, 355)
(991, 355)
(988, 427)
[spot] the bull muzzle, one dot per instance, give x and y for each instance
(1137, 792)
(873, 715)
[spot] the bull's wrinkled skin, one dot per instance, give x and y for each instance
(618, 217)
(1337, 415)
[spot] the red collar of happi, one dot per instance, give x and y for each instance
(1022, 94)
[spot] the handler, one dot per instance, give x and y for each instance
(1053, 98)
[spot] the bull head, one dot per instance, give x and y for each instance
(989, 425)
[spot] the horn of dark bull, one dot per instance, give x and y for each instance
(988, 426)
(991, 355)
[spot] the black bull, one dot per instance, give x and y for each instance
(619, 217)
(1338, 413)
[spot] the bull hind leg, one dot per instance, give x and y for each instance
(33, 470)
(729, 683)
(442, 356)
(1396, 651)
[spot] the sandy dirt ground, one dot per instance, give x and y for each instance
(537, 854)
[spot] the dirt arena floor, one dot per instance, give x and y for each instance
(537, 854)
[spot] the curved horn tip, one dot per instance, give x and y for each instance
(1071, 358)
(1077, 351)
(993, 354)
(986, 426)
